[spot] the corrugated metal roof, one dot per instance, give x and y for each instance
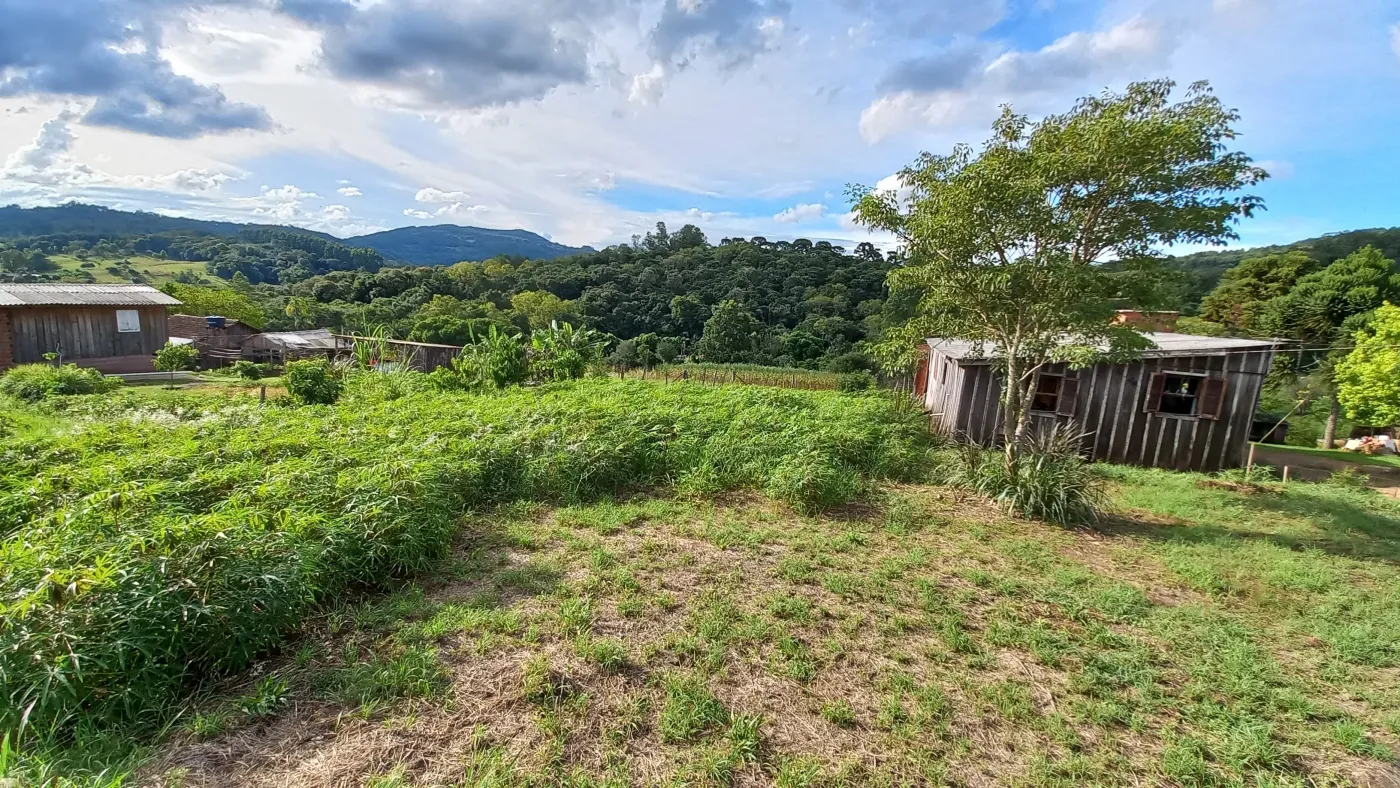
(317, 339)
(18, 294)
(1165, 344)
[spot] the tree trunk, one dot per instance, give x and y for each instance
(1329, 435)
(1010, 411)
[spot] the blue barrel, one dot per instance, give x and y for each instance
(214, 321)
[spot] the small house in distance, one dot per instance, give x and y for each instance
(111, 328)
(1187, 404)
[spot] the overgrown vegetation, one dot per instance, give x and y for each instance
(35, 382)
(158, 544)
(1203, 636)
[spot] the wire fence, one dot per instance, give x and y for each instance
(754, 375)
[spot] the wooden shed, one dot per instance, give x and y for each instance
(112, 328)
(284, 346)
(1188, 403)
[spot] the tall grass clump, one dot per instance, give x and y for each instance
(155, 543)
(1048, 480)
(35, 382)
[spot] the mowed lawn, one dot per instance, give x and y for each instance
(1207, 634)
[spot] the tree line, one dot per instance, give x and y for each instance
(798, 303)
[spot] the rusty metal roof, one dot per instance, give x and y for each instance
(21, 295)
(1163, 345)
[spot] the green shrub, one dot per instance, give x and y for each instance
(35, 382)
(313, 382)
(854, 382)
(176, 358)
(248, 370)
(1049, 480)
(132, 567)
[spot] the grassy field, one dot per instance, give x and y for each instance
(917, 638)
(687, 633)
(152, 270)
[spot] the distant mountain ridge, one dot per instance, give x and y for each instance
(445, 244)
(438, 245)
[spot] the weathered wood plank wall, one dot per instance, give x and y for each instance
(1109, 405)
(83, 333)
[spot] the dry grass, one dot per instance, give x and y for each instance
(920, 639)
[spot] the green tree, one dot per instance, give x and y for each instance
(176, 358)
(1326, 308)
(689, 314)
(625, 356)
(732, 335)
(1368, 378)
(303, 311)
(1005, 243)
(668, 349)
(222, 301)
(1241, 299)
(543, 309)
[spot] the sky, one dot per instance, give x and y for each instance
(588, 121)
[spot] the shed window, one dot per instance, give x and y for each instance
(128, 321)
(1055, 394)
(1047, 393)
(1180, 394)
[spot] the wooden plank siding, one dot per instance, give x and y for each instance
(83, 332)
(1109, 407)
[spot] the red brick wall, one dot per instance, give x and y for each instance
(7, 341)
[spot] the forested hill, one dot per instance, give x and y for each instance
(95, 221)
(439, 245)
(1204, 269)
(446, 244)
(808, 302)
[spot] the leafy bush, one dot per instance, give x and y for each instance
(563, 352)
(35, 382)
(313, 382)
(1049, 480)
(164, 540)
(174, 358)
(248, 370)
(498, 360)
(854, 382)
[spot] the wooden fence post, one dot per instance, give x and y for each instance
(1249, 467)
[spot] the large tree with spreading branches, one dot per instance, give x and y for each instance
(1007, 244)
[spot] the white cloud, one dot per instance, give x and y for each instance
(969, 94)
(1395, 39)
(431, 195)
(648, 87)
(283, 204)
(802, 212)
(46, 166)
(336, 214)
(447, 210)
(350, 191)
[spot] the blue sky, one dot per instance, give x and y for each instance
(590, 120)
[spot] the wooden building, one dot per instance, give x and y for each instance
(283, 346)
(111, 328)
(1188, 403)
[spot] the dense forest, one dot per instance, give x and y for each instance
(798, 303)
